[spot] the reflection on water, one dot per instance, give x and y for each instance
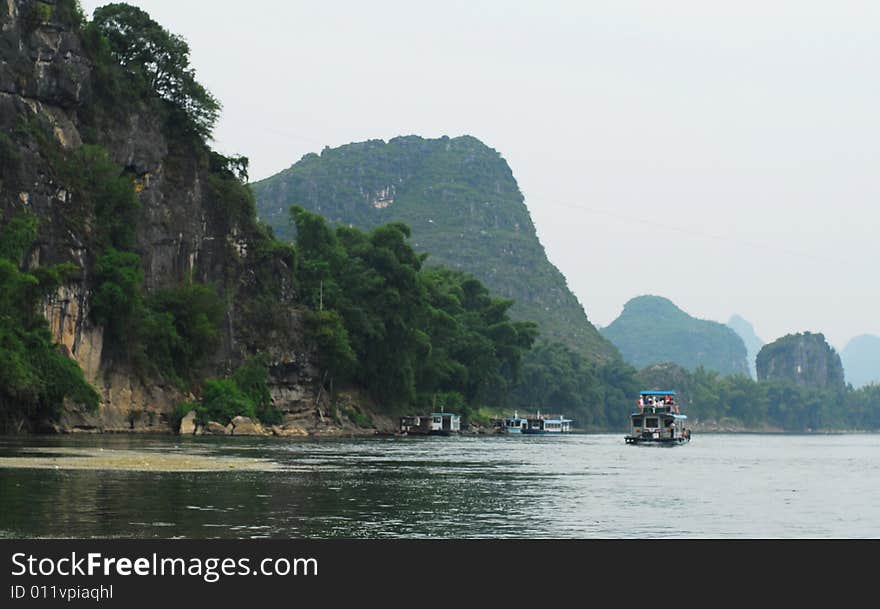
(575, 486)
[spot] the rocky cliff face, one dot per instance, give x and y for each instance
(49, 89)
(806, 359)
(464, 207)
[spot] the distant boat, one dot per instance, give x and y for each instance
(514, 424)
(658, 420)
(538, 424)
(548, 424)
(434, 424)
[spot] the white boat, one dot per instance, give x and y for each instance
(658, 420)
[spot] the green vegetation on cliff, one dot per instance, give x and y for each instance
(464, 209)
(652, 330)
(153, 59)
(78, 168)
(245, 393)
(35, 375)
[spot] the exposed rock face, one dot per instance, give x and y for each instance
(188, 424)
(48, 84)
(652, 330)
(213, 428)
(244, 426)
(806, 359)
(288, 431)
(465, 210)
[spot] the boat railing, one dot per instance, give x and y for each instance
(655, 409)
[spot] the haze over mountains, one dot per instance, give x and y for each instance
(861, 360)
(751, 340)
(464, 207)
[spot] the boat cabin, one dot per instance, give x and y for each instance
(445, 422)
(436, 423)
(548, 424)
(514, 424)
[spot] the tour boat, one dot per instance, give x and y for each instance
(658, 420)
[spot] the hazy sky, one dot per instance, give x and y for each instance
(724, 155)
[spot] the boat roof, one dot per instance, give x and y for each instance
(656, 392)
(443, 414)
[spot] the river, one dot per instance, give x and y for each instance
(571, 486)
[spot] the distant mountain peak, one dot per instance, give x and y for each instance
(805, 358)
(861, 360)
(653, 329)
(751, 340)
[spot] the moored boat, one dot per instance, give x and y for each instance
(658, 420)
(536, 424)
(547, 424)
(514, 424)
(434, 424)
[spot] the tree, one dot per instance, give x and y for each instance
(117, 303)
(157, 60)
(404, 332)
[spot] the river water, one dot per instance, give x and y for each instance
(572, 486)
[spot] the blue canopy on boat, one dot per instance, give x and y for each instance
(654, 392)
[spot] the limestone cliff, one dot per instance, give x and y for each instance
(805, 359)
(51, 96)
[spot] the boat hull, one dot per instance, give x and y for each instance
(656, 441)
